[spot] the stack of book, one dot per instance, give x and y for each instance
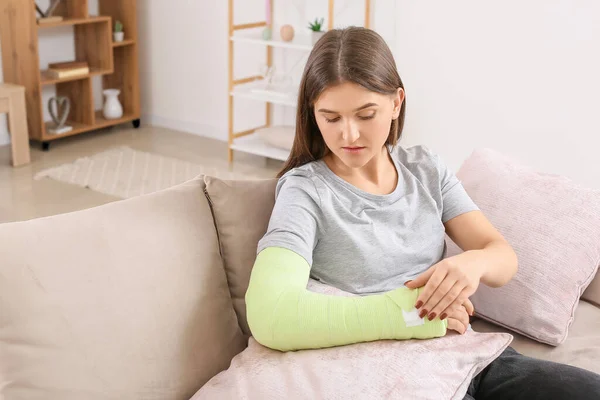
(68, 69)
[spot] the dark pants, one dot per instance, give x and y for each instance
(515, 376)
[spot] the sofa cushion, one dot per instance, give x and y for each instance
(440, 368)
(554, 226)
(242, 210)
(128, 300)
(581, 349)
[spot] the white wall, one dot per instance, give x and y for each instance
(520, 77)
(183, 65)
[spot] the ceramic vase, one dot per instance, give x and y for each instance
(112, 107)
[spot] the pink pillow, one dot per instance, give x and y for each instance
(554, 227)
(416, 369)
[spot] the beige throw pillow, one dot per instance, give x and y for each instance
(242, 210)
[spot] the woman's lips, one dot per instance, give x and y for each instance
(353, 149)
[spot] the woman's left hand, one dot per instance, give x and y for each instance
(447, 285)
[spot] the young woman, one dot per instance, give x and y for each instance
(358, 212)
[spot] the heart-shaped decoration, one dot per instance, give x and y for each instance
(49, 11)
(59, 108)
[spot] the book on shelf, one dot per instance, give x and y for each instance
(67, 65)
(67, 69)
(67, 73)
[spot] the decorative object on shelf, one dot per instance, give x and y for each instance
(59, 108)
(112, 107)
(274, 83)
(287, 33)
(46, 17)
(316, 27)
(67, 69)
(118, 34)
(281, 136)
(267, 33)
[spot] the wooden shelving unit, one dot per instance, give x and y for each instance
(117, 63)
(247, 141)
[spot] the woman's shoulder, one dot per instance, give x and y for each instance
(300, 179)
(421, 161)
(418, 155)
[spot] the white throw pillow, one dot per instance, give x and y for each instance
(278, 136)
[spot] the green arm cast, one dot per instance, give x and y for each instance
(284, 315)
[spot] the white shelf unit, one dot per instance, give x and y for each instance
(248, 141)
(254, 144)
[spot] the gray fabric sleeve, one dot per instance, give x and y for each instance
(455, 199)
(294, 222)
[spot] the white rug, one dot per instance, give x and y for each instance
(124, 172)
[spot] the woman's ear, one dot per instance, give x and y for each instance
(397, 101)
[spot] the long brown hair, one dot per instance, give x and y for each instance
(353, 54)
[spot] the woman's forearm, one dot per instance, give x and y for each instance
(284, 315)
(497, 262)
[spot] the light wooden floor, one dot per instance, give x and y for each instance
(22, 197)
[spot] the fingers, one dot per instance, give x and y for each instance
(445, 298)
(456, 325)
(453, 299)
(428, 290)
(421, 280)
(469, 307)
(462, 316)
(459, 320)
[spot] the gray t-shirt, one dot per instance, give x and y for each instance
(365, 243)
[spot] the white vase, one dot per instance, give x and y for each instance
(112, 107)
(118, 36)
(316, 36)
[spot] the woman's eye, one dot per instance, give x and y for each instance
(332, 120)
(364, 118)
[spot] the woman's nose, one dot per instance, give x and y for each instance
(350, 133)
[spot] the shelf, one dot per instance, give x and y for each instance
(77, 128)
(300, 42)
(101, 122)
(127, 42)
(74, 21)
(48, 80)
(255, 145)
(251, 91)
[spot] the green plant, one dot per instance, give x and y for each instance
(316, 25)
(118, 26)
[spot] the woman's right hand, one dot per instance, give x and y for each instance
(458, 320)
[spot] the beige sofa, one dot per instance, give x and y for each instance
(143, 298)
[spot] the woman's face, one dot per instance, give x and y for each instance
(355, 122)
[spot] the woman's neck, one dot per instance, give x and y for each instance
(378, 176)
